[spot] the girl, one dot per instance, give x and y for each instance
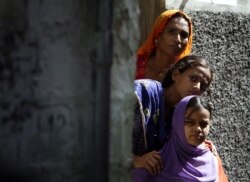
(187, 155)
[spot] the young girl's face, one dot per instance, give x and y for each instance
(196, 125)
(192, 81)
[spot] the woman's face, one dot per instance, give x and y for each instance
(196, 125)
(174, 38)
(193, 81)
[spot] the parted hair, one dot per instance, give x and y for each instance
(184, 64)
(197, 103)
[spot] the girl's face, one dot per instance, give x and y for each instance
(174, 38)
(193, 81)
(196, 125)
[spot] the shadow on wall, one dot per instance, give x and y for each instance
(16, 176)
(11, 171)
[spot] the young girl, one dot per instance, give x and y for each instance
(187, 155)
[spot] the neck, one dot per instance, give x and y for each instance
(162, 60)
(157, 66)
(171, 99)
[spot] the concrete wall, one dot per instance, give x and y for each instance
(237, 6)
(224, 39)
(44, 82)
(126, 41)
(55, 81)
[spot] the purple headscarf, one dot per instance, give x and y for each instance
(182, 162)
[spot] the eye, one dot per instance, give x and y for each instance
(203, 124)
(193, 78)
(184, 35)
(189, 122)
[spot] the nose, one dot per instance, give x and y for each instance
(178, 37)
(198, 128)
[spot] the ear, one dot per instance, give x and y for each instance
(175, 74)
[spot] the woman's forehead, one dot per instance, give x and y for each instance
(178, 21)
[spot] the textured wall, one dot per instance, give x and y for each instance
(224, 39)
(126, 40)
(50, 89)
(55, 67)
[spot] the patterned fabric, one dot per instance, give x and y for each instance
(139, 146)
(148, 47)
(149, 132)
(183, 162)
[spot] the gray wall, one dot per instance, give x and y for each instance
(224, 39)
(126, 41)
(60, 62)
(55, 61)
(210, 5)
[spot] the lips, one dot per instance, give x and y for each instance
(195, 139)
(197, 136)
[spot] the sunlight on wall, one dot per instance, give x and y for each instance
(226, 2)
(242, 6)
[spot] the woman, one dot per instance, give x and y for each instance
(187, 155)
(169, 41)
(156, 101)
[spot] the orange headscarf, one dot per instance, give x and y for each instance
(149, 47)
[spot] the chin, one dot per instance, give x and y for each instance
(195, 143)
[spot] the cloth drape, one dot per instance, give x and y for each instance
(183, 162)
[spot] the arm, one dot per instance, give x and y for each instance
(142, 158)
(222, 177)
(151, 161)
(221, 174)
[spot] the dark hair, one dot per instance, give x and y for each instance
(182, 65)
(197, 103)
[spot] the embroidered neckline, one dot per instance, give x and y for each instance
(156, 69)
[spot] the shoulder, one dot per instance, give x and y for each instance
(147, 88)
(148, 92)
(147, 84)
(209, 144)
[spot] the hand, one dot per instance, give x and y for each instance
(151, 161)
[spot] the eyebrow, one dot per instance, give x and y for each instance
(189, 119)
(203, 120)
(171, 28)
(202, 76)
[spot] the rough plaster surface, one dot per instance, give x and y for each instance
(43, 78)
(126, 40)
(224, 39)
(211, 5)
(51, 84)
